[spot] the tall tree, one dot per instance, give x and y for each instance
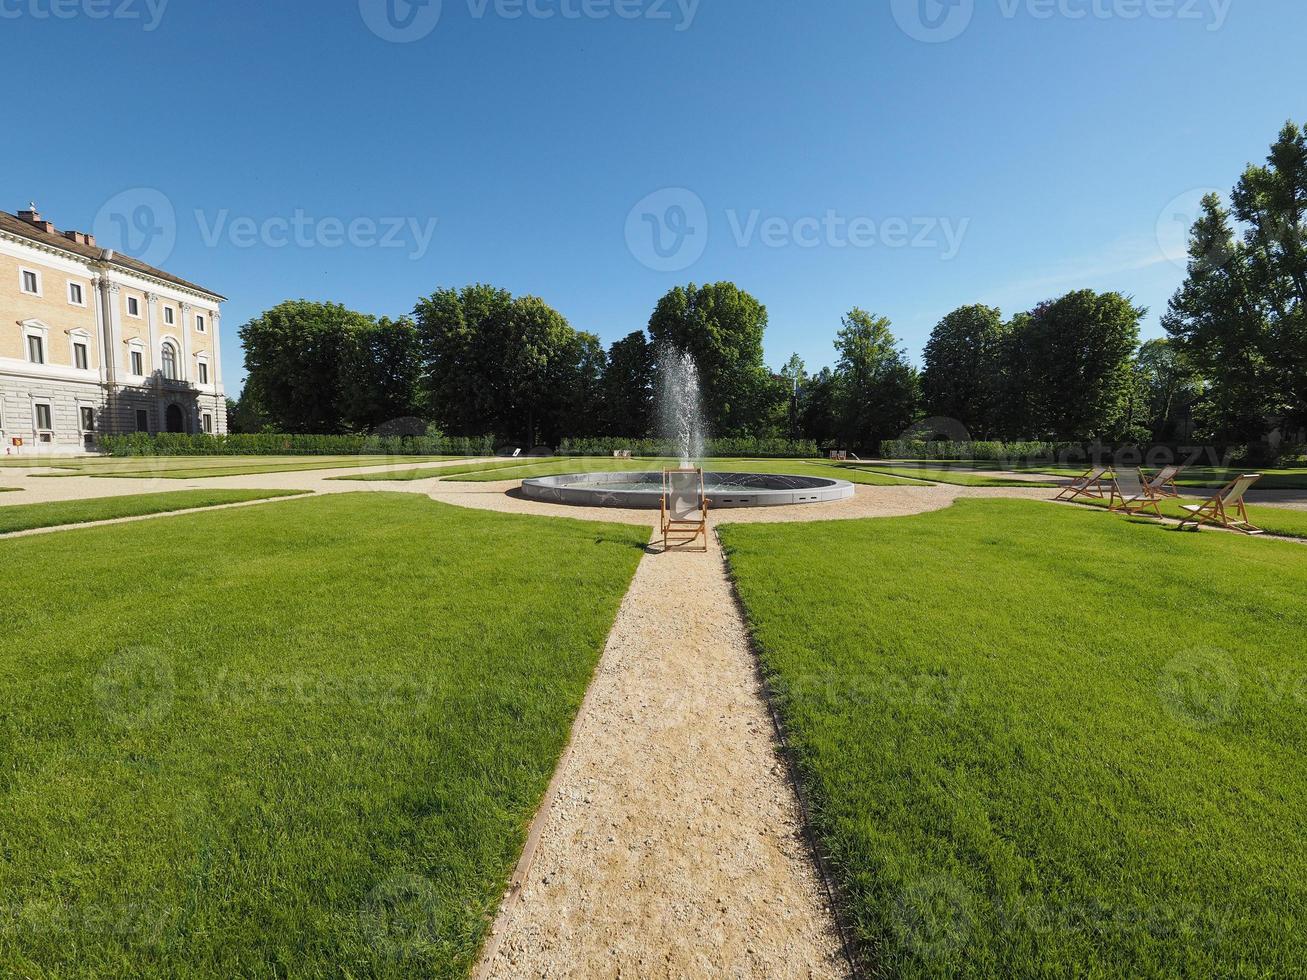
(1240, 318)
(628, 387)
(722, 327)
(961, 377)
(464, 339)
(793, 379)
(293, 357)
(380, 367)
(1083, 346)
(877, 390)
(1169, 387)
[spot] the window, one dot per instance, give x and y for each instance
(44, 417)
(35, 349)
(199, 323)
(142, 420)
(81, 357)
(133, 307)
(138, 363)
(31, 282)
(208, 423)
(169, 360)
(88, 418)
(204, 372)
(75, 294)
(169, 315)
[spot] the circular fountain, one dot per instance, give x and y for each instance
(644, 491)
(681, 419)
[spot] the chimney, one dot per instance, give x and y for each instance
(80, 237)
(33, 217)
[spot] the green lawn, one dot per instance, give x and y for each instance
(561, 467)
(962, 476)
(1040, 742)
(1273, 520)
(430, 473)
(193, 467)
(1198, 477)
(25, 517)
(301, 740)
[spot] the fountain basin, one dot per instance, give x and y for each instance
(644, 491)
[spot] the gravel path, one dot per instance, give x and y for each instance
(671, 844)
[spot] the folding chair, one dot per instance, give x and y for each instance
(1088, 484)
(1218, 509)
(684, 508)
(1163, 484)
(1130, 494)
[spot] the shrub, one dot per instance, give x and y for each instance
(752, 448)
(282, 444)
(995, 451)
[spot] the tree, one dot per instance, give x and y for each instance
(380, 366)
(1240, 317)
(722, 327)
(961, 378)
(243, 415)
(1168, 385)
(1082, 348)
(293, 358)
(817, 408)
(464, 340)
(877, 391)
(793, 379)
(628, 387)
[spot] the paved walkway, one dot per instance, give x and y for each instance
(671, 844)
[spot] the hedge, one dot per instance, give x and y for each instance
(735, 448)
(276, 444)
(1007, 451)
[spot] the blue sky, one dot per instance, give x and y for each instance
(899, 155)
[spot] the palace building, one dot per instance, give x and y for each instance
(95, 342)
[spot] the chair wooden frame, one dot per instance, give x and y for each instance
(1087, 484)
(1134, 503)
(1163, 484)
(679, 532)
(1216, 511)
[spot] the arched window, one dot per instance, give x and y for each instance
(169, 361)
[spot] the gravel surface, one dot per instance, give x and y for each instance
(671, 844)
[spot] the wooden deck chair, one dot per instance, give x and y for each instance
(1226, 509)
(685, 508)
(1163, 484)
(1130, 494)
(1088, 484)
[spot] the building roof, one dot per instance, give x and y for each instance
(14, 225)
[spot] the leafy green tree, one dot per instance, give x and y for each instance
(464, 338)
(793, 379)
(1082, 348)
(877, 390)
(1168, 386)
(380, 368)
(628, 387)
(1240, 318)
(817, 408)
(722, 328)
(963, 370)
(293, 357)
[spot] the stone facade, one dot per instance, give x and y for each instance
(93, 343)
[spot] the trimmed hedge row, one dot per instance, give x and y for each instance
(1009, 451)
(735, 448)
(275, 444)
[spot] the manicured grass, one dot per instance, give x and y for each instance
(193, 467)
(792, 467)
(1044, 743)
(962, 477)
(429, 473)
(25, 517)
(298, 740)
(1273, 520)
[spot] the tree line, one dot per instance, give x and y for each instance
(479, 361)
